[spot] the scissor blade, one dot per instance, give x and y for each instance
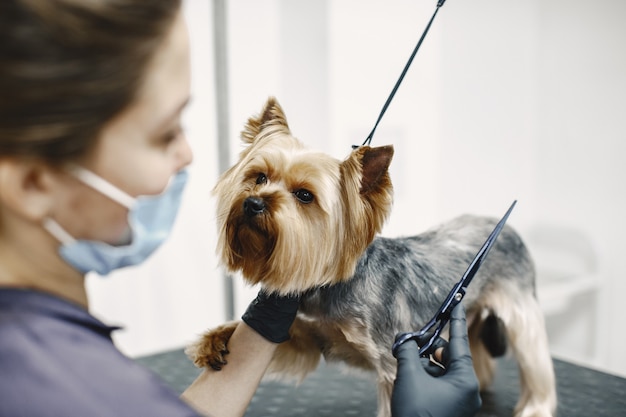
(458, 292)
(482, 253)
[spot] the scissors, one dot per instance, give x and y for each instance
(429, 333)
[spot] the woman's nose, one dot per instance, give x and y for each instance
(184, 153)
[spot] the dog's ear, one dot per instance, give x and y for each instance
(367, 197)
(272, 115)
(374, 165)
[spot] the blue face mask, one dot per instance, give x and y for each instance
(150, 219)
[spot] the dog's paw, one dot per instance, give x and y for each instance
(212, 348)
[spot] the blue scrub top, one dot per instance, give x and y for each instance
(57, 360)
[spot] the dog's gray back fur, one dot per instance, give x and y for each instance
(400, 283)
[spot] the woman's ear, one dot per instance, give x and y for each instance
(27, 187)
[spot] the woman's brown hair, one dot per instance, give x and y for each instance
(67, 67)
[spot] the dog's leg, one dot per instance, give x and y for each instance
(299, 355)
(385, 386)
(296, 357)
(386, 371)
(525, 327)
(530, 346)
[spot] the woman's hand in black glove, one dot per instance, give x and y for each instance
(422, 389)
(271, 315)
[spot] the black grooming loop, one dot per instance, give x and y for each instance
(368, 140)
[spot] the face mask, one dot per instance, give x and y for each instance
(150, 219)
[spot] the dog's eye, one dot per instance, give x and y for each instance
(261, 179)
(305, 196)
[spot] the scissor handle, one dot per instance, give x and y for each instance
(425, 349)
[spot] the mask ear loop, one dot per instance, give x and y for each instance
(103, 186)
(97, 183)
(368, 140)
(57, 231)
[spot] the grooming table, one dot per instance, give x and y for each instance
(330, 392)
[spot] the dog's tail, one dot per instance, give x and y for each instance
(493, 335)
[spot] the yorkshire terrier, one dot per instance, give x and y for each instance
(297, 221)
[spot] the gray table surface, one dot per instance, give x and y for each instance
(330, 392)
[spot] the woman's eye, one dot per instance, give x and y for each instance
(172, 135)
(261, 179)
(305, 196)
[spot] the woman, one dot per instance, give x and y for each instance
(92, 166)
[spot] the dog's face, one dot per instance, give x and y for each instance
(291, 218)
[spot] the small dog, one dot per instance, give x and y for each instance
(298, 221)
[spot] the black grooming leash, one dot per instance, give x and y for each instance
(368, 140)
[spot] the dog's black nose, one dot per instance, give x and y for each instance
(253, 206)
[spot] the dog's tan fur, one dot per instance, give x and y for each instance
(314, 234)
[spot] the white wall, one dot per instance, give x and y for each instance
(580, 147)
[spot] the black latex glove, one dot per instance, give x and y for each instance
(271, 315)
(422, 389)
